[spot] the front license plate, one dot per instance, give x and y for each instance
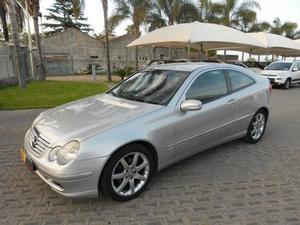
(23, 155)
(29, 164)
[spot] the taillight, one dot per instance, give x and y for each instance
(270, 88)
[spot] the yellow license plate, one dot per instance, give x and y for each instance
(23, 155)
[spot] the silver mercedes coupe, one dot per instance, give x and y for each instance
(113, 143)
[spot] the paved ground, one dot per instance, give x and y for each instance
(233, 184)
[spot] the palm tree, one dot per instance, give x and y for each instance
(34, 11)
(136, 11)
(260, 27)
(233, 12)
(277, 27)
(78, 6)
(15, 36)
(171, 8)
(246, 19)
(3, 17)
(210, 12)
(290, 29)
(188, 13)
(155, 18)
(105, 8)
(3, 12)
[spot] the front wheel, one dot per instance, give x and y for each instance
(256, 127)
(127, 173)
(287, 84)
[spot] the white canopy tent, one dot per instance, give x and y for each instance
(198, 35)
(274, 45)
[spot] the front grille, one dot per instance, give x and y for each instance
(37, 143)
(272, 80)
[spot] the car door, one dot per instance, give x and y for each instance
(296, 72)
(242, 90)
(213, 123)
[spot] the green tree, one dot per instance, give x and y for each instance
(134, 10)
(63, 15)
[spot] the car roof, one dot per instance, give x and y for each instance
(188, 66)
(286, 61)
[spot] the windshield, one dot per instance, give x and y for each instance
(279, 66)
(153, 86)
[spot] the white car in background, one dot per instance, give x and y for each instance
(283, 73)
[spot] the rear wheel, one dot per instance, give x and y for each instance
(127, 173)
(287, 84)
(257, 127)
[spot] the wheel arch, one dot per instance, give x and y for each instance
(264, 109)
(146, 144)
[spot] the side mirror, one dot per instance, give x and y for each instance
(190, 105)
(294, 69)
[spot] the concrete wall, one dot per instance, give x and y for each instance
(72, 51)
(7, 65)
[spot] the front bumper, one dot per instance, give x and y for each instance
(79, 178)
(275, 80)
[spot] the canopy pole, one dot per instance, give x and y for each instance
(272, 57)
(152, 51)
(224, 56)
(201, 53)
(243, 54)
(188, 52)
(258, 60)
(267, 57)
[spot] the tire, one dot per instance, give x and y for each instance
(287, 84)
(129, 179)
(256, 129)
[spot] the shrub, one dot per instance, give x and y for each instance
(124, 72)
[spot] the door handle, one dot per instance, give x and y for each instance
(231, 101)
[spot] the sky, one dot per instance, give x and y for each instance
(287, 10)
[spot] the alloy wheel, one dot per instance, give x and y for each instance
(258, 126)
(130, 174)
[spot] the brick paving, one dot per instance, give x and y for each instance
(233, 184)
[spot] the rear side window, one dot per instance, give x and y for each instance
(208, 86)
(239, 80)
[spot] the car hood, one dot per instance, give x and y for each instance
(273, 72)
(84, 118)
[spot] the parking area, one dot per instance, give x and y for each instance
(233, 184)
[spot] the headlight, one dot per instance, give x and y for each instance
(53, 153)
(63, 155)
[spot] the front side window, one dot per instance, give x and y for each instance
(208, 86)
(239, 80)
(153, 86)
